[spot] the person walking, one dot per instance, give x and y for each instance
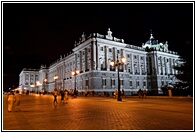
(62, 96)
(10, 101)
(17, 102)
(66, 96)
(144, 92)
(55, 93)
(140, 93)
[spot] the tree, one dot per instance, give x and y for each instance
(185, 73)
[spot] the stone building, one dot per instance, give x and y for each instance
(147, 67)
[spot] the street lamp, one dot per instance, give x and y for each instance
(117, 64)
(74, 73)
(55, 78)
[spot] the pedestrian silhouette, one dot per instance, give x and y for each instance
(17, 102)
(10, 100)
(55, 93)
(62, 96)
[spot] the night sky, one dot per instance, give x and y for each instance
(38, 33)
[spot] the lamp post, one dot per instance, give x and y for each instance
(55, 78)
(74, 73)
(117, 64)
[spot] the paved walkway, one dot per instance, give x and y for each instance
(100, 113)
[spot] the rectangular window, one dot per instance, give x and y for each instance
(112, 82)
(121, 82)
(101, 48)
(162, 82)
(101, 66)
(110, 50)
(144, 83)
(118, 51)
(104, 82)
(127, 55)
(130, 83)
(149, 83)
(86, 82)
(138, 83)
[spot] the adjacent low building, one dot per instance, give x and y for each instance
(147, 67)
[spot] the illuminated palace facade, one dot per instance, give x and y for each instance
(143, 69)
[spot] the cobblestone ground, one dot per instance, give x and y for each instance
(100, 113)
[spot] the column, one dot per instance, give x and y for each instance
(80, 53)
(115, 56)
(139, 65)
(131, 69)
(174, 65)
(106, 58)
(93, 56)
(98, 60)
(85, 59)
(75, 61)
(132, 65)
(145, 65)
(161, 65)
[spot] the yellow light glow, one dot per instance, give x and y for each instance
(123, 59)
(32, 85)
(77, 71)
(45, 80)
(73, 73)
(112, 63)
(55, 77)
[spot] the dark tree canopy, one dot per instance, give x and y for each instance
(185, 72)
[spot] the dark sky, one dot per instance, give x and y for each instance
(38, 33)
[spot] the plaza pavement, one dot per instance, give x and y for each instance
(100, 114)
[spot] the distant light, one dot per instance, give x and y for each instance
(73, 73)
(123, 59)
(112, 63)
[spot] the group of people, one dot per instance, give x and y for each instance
(115, 94)
(13, 100)
(142, 93)
(64, 96)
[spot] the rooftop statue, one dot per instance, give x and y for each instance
(109, 36)
(83, 38)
